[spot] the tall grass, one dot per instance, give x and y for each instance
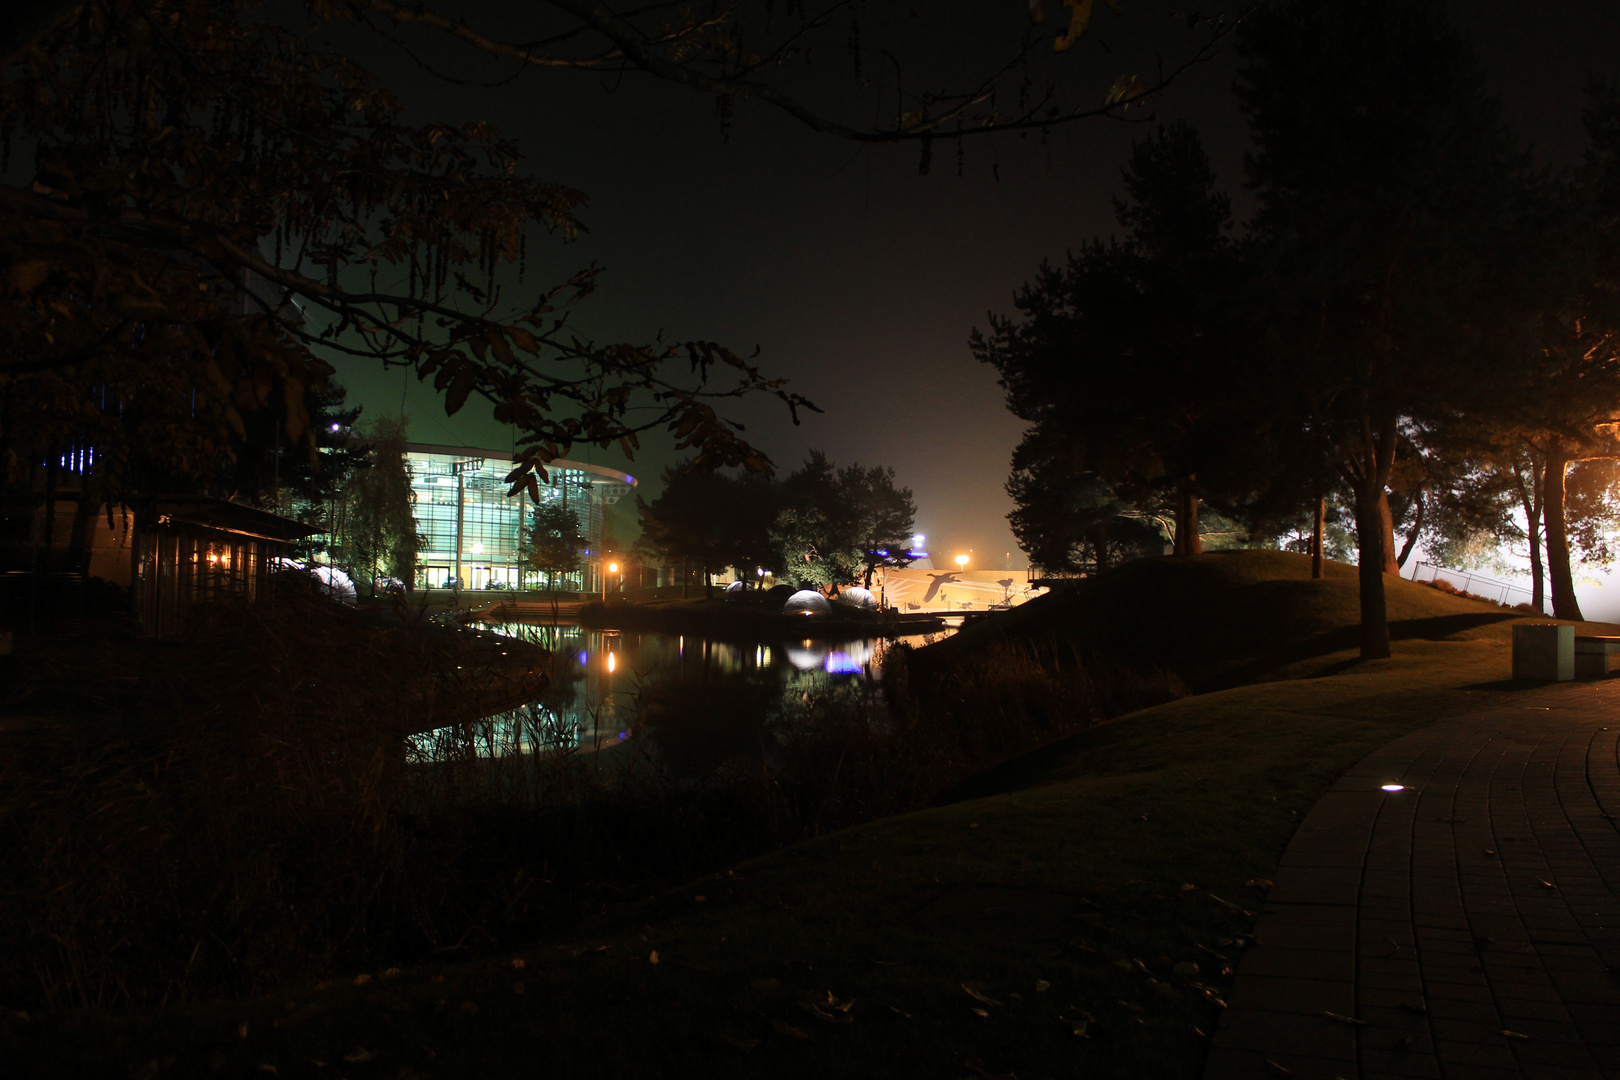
(265, 809)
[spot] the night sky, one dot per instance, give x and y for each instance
(858, 278)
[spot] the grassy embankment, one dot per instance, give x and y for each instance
(977, 938)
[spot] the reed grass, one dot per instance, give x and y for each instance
(291, 792)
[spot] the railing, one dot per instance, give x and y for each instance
(1477, 584)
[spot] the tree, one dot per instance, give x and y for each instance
(713, 519)
(737, 52)
(1071, 521)
(884, 516)
(1395, 223)
(837, 526)
(199, 168)
(1123, 363)
(554, 543)
(375, 526)
(215, 203)
(1578, 415)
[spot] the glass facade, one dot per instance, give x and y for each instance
(472, 529)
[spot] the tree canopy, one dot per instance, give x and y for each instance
(821, 525)
(713, 519)
(373, 528)
(1412, 306)
(838, 526)
(553, 543)
(215, 204)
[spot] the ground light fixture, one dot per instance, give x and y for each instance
(1394, 787)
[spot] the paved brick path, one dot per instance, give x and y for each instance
(1466, 927)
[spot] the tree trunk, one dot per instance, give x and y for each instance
(1187, 539)
(1411, 537)
(1386, 536)
(50, 509)
(1368, 472)
(1530, 503)
(1552, 503)
(1370, 517)
(82, 533)
(1318, 564)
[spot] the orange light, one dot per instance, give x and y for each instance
(613, 568)
(613, 662)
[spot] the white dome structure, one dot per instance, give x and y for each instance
(807, 655)
(859, 597)
(734, 591)
(806, 602)
(334, 583)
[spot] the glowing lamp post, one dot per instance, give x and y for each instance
(961, 562)
(612, 568)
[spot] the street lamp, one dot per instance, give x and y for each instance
(961, 562)
(612, 568)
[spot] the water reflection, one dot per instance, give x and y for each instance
(695, 702)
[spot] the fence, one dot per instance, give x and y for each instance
(1477, 584)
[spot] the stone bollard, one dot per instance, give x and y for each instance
(1544, 652)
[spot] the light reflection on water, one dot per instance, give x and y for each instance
(697, 698)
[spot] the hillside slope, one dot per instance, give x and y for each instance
(1226, 618)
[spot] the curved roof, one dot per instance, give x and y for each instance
(598, 473)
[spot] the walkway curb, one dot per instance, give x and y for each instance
(1465, 926)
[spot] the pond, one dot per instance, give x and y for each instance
(692, 700)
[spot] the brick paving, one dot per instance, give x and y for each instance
(1465, 927)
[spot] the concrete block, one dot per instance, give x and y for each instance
(1544, 652)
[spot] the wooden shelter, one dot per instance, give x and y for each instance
(193, 550)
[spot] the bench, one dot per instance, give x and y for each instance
(1592, 656)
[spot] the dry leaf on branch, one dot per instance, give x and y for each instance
(972, 993)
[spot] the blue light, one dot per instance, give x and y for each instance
(841, 664)
(883, 552)
(584, 657)
(632, 479)
(622, 734)
(917, 554)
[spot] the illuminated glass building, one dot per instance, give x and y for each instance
(471, 528)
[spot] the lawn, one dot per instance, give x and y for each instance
(1074, 911)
